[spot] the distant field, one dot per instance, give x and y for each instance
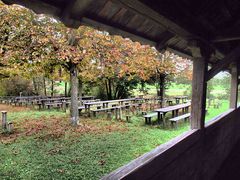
(179, 90)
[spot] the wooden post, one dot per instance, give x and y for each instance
(116, 113)
(64, 105)
(234, 86)
(4, 120)
(10, 127)
(199, 88)
(109, 115)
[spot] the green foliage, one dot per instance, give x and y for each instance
(14, 85)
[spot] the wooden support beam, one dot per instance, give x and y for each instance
(140, 8)
(163, 21)
(199, 89)
(226, 39)
(74, 8)
(234, 86)
(224, 63)
(38, 7)
(116, 31)
(179, 52)
(165, 38)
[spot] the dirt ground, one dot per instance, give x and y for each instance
(9, 108)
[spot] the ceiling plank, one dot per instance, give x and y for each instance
(234, 55)
(116, 31)
(145, 11)
(173, 27)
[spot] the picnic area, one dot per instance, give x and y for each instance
(81, 103)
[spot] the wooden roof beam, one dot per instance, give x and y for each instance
(37, 6)
(140, 8)
(154, 16)
(76, 7)
(165, 38)
(116, 31)
(226, 39)
(234, 55)
(179, 52)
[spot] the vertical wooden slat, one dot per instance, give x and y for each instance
(199, 87)
(234, 87)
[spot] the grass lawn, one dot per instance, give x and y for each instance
(45, 146)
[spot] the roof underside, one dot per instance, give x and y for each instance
(164, 24)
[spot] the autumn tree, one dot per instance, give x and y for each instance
(120, 64)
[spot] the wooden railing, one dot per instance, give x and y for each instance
(196, 154)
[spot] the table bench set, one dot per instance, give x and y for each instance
(161, 114)
(112, 105)
(94, 106)
(42, 102)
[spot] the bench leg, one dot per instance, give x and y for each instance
(149, 120)
(146, 120)
(164, 119)
(80, 112)
(177, 112)
(94, 114)
(173, 124)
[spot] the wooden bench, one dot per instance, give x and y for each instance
(58, 104)
(148, 117)
(80, 108)
(114, 108)
(102, 110)
(179, 118)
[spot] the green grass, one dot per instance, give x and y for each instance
(86, 156)
(32, 114)
(213, 112)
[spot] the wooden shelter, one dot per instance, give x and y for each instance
(205, 31)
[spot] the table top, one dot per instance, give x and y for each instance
(110, 101)
(180, 97)
(172, 108)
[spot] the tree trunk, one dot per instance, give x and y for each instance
(162, 89)
(80, 90)
(65, 92)
(44, 86)
(110, 89)
(35, 85)
(106, 86)
(52, 88)
(74, 95)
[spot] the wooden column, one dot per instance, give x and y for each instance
(199, 88)
(234, 86)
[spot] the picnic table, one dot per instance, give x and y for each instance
(178, 98)
(174, 109)
(105, 103)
